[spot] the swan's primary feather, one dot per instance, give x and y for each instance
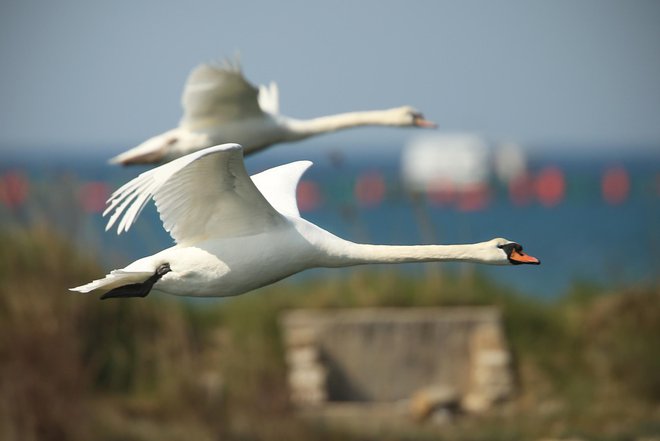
(207, 194)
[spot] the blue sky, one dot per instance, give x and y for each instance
(84, 75)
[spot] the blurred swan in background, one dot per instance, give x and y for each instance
(220, 105)
(235, 233)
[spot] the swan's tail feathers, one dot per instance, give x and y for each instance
(115, 279)
(153, 151)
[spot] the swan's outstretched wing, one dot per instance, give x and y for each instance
(278, 185)
(217, 94)
(206, 194)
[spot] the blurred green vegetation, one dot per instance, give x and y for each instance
(166, 368)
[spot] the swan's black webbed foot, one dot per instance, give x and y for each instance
(138, 289)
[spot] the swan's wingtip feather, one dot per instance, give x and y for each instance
(109, 207)
(304, 164)
(111, 221)
(227, 64)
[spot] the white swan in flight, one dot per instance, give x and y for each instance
(235, 233)
(220, 105)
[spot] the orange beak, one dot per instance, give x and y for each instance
(421, 122)
(520, 257)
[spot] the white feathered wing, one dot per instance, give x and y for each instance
(204, 195)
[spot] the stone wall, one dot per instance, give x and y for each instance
(424, 359)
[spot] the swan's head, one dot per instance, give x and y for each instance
(506, 252)
(409, 116)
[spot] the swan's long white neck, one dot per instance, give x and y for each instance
(357, 254)
(304, 128)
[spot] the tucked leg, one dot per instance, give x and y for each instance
(138, 289)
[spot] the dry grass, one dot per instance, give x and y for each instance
(75, 368)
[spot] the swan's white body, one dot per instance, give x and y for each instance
(221, 106)
(236, 233)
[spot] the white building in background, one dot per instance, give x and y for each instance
(458, 162)
(509, 161)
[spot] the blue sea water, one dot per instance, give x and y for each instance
(581, 238)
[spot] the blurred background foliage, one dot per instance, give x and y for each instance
(75, 368)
